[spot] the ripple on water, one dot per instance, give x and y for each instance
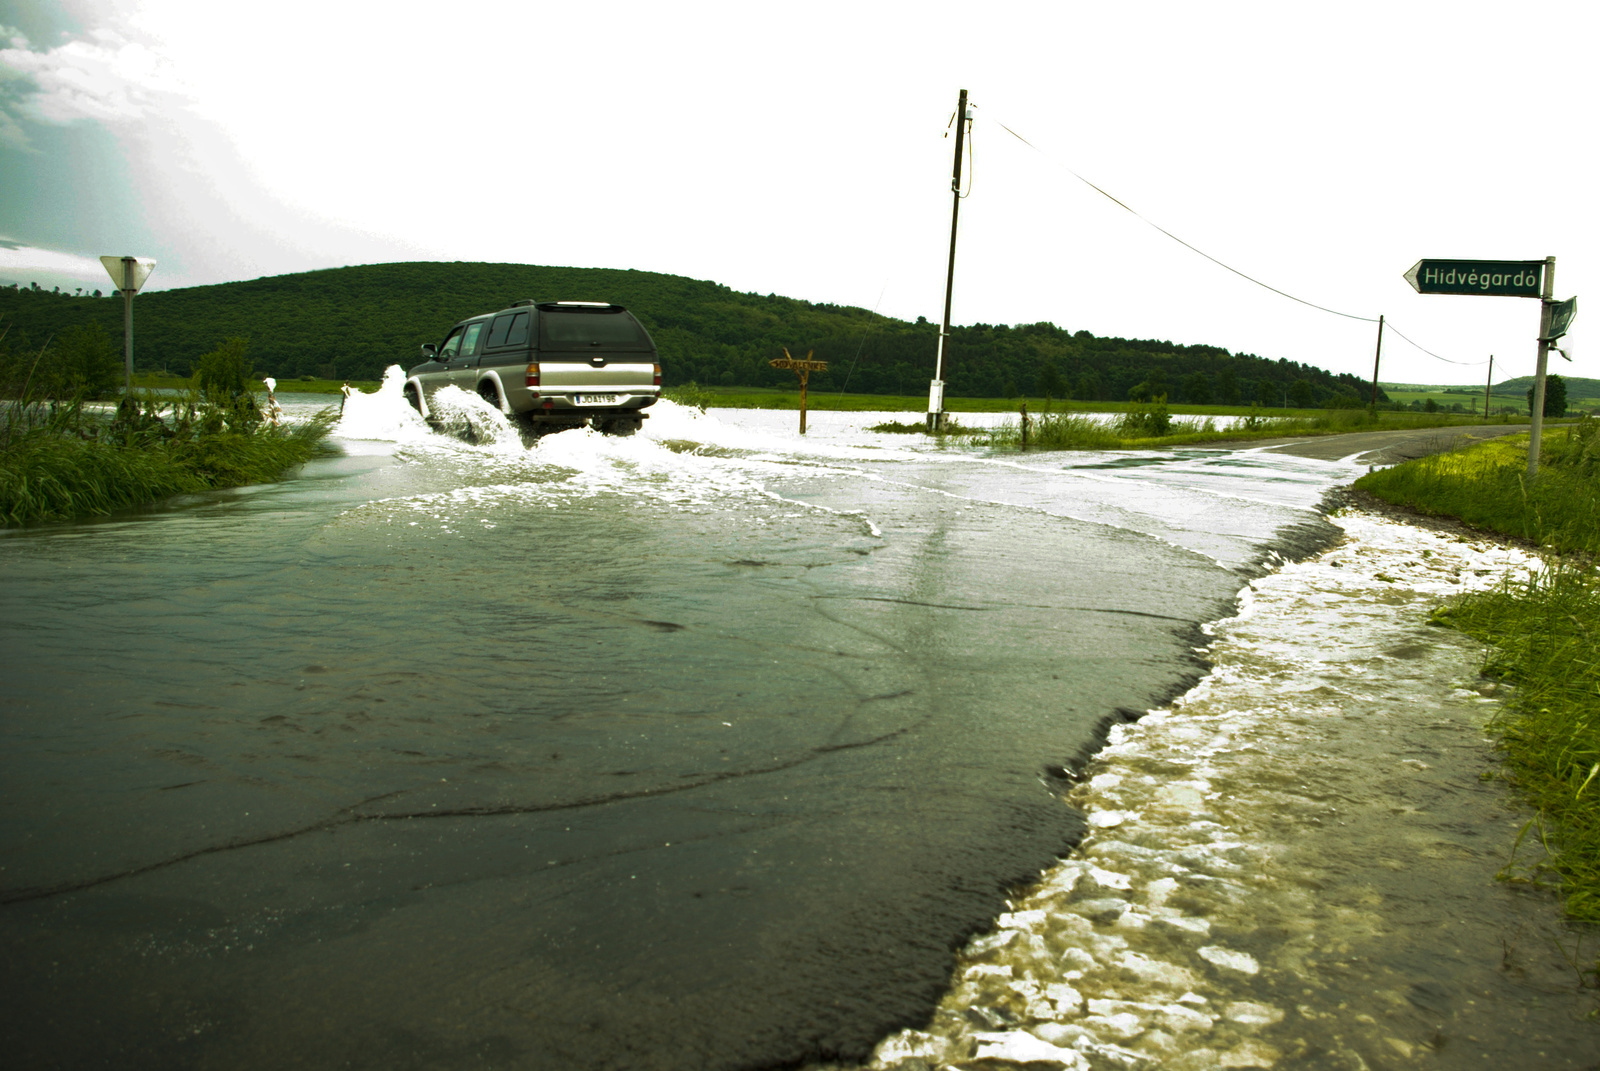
(1294, 865)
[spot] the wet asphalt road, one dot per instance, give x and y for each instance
(291, 780)
(1389, 447)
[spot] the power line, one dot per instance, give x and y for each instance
(1219, 263)
(862, 344)
(1467, 364)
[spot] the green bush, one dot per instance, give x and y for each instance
(1146, 419)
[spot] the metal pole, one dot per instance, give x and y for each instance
(1537, 429)
(805, 375)
(936, 389)
(127, 340)
(1375, 359)
(1488, 388)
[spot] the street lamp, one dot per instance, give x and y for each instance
(129, 274)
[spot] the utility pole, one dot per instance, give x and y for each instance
(1537, 428)
(936, 414)
(1375, 359)
(1488, 388)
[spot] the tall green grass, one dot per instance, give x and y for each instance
(58, 461)
(1545, 639)
(1487, 486)
(1150, 425)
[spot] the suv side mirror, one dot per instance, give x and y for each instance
(429, 350)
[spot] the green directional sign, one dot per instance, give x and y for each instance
(1561, 317)
(1485, 278)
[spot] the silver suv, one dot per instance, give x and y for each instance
(548, 364)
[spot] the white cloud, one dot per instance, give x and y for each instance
(802, 153)
(23, 258)
(104, 77)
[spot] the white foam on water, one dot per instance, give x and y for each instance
(691, 461)
(1143, 948)
(383, 415)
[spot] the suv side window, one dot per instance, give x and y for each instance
(497, 331)
(469, 341)
(451, 345)
(517, 335)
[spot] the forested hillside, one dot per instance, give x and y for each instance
(351, 323)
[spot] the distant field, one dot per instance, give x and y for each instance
(1511, 393)
(163, 381)
(773, 398)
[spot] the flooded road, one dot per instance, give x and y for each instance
(1294, 864)
(706, 748)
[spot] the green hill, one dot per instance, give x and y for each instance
(1577, 386)
(351, 323)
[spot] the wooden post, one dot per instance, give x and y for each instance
(1488, 388)
(1024, 425)
(1376, 357)
(804, 376)
(802, 370)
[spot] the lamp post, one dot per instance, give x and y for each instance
(129, 274)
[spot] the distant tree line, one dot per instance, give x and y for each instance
(351, 323)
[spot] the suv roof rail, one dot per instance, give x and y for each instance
(581, 306)
(524, 301)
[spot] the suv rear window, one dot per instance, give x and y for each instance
(564, 329)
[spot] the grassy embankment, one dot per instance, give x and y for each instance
(1544, 634)
(59, 461)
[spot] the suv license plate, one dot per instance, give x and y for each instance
(595, 399)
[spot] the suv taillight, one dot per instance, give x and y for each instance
(530, 378)
(657, 368)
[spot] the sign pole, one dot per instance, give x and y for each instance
(802, 370)
(127, 340)
(1375, 359)
(129, 273)
(1488, 387)
(803, 377)
(1537, 429)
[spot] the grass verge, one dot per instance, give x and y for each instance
(58, 463)
(1544, 634)
(1545, 639)
(1152, 426)
(1487, 486)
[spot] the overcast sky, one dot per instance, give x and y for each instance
(799, 149)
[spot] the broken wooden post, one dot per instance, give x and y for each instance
(1024, 425)
(802, 369)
